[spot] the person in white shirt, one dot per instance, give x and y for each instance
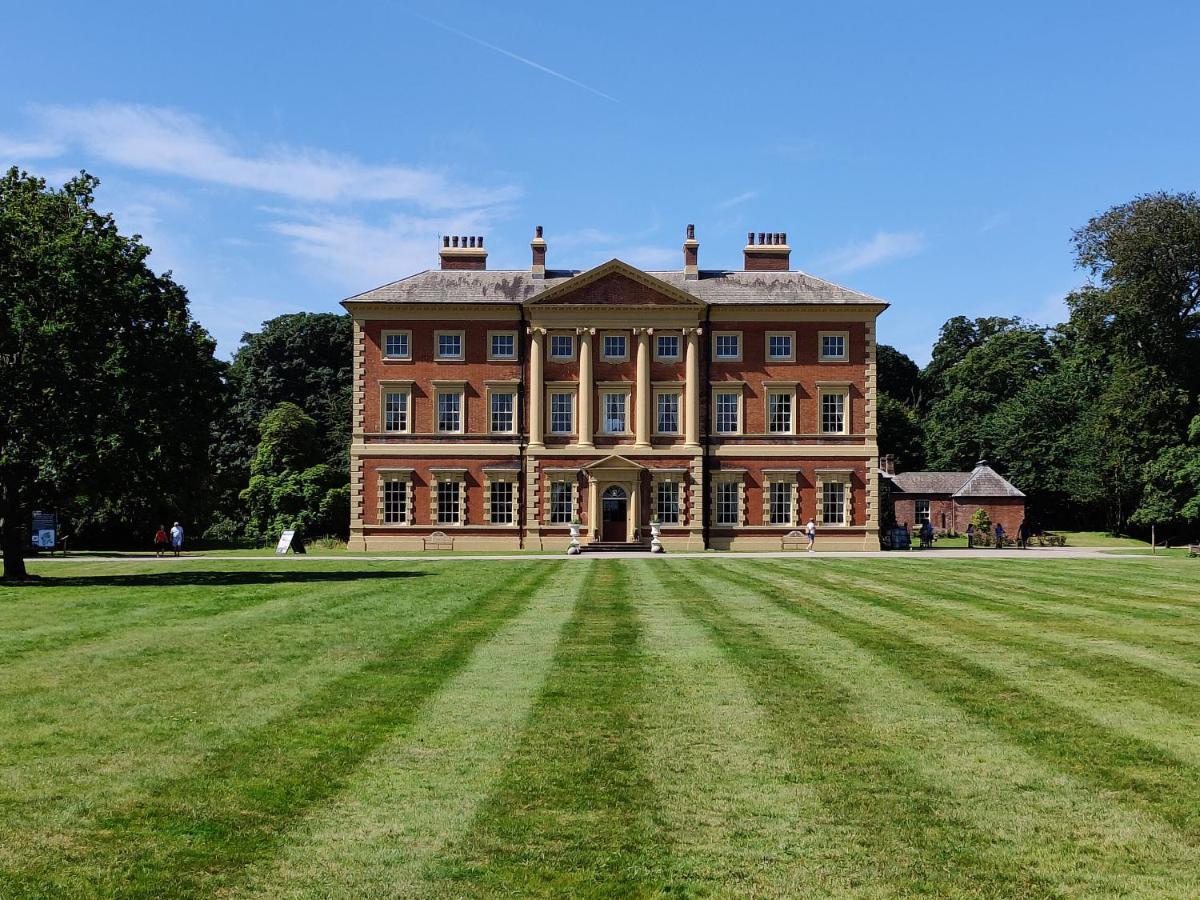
(177, 538)
(811, 531)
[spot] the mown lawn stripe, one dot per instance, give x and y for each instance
(741, 821)
(1072, 838)
(575, 814)
(1136, 771)
(1166, 681)
(188, 836)
(420, 790)
(885, 828)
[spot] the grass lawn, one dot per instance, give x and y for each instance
(587, 727)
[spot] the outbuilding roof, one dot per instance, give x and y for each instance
(982, 481)
(718, 286)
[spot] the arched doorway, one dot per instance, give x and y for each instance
(614, 514)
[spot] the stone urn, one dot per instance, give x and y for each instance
(573, 548)
(655, 533)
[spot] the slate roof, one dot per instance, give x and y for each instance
(718, 286)
(983, 481)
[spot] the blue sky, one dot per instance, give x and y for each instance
(280, 157)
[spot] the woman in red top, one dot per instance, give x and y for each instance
(160, 541)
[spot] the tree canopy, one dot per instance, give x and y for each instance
(110, 386)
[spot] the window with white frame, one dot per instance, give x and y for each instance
(727, 412)
(395, 501)
(668, 412)
(502, 345)
(449, 345)
(449, 411)
(780, 345)
(727, 345)
(562, 346)
(666, 347)
(779, 412)
(503, 411)
(395, 410)
(921, 511)
(502, 502)
(780, 503)
(615, 347)
(667, 501)
(834, 345)
(727, 498)
(562, 412)
(833, 503)
(833, 412)
(449, 505)
(561, 502)
(397, 345)
(615, 408)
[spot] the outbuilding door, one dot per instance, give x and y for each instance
(614, 515)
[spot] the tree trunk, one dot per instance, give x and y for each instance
(11, 533)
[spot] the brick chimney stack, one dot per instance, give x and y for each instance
(463, 252)
(769, 254)
(887, 464)
(538, 246)
(691, 254)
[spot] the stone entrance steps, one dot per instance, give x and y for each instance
(614, 547)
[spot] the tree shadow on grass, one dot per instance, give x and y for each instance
(193, 578)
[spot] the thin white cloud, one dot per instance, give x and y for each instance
(18, 151)
(170, 142)
(356, 255)
(994, 221)
(521, 59)
(883, 247)
(743, 197)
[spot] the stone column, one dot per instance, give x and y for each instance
(642, 429)
(586, 388)
(537, 388)
(691, 404)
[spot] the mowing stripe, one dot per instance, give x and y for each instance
(1164, 680)
(408, 799)
(188, 836)
(885, 829)
(739, 818)
(1145, 596)
(1134, 770)
(575, 814)
(1110, 706)
(1172, 631)
(1054, 828)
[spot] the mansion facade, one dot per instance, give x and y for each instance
(499, 407)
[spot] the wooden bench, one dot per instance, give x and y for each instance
(794, 540)
(1193, 550)
(439, 540)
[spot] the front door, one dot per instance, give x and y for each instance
(614, 504)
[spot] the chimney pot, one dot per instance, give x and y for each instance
(461, 251)
(770, 253)
(691, 255)
(538, 246)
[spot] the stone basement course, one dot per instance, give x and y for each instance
(494, 408)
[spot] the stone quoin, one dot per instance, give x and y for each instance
(730, 406)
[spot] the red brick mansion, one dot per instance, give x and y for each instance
(498, 407)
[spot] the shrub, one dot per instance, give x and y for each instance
(982, 522)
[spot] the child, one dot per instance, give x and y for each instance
(810, 530)
(160, 540)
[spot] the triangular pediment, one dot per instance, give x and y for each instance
(615, 283)
(614, 461)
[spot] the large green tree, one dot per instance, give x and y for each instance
(109, 385)
(290, 485)
(300, 358)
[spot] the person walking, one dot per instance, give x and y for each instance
(177, 538)
(970, 535)
(926, 535)
(1022, 535)
(999, 536)
(810, 531)
(160, 541)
